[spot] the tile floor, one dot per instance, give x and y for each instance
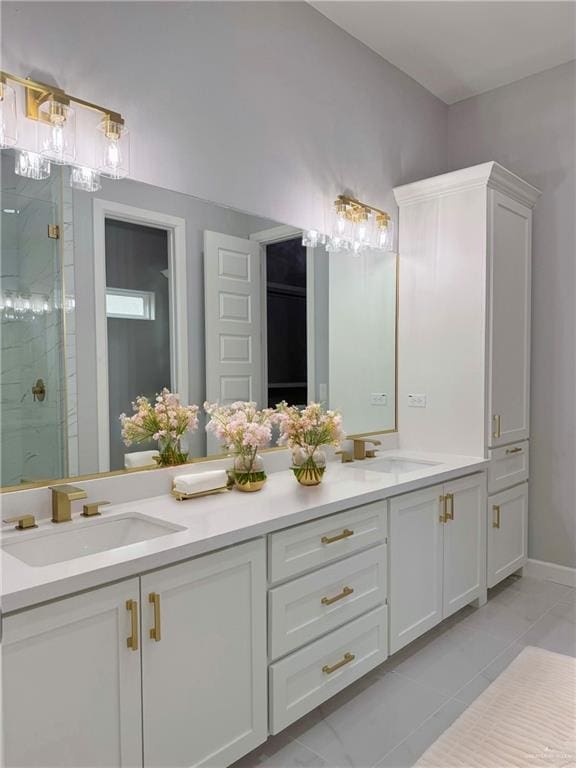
(393, 714)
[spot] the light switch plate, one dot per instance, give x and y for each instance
(378, 398)
(417, 401)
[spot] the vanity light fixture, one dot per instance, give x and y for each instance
(356, 227)
(54, 113)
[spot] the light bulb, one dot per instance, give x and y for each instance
(31, 165)
(57, 131)
(8, 132)
(115, 149)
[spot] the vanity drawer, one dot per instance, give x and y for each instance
(313, 605)
(508, 466)
(311, 545)
(308, 677)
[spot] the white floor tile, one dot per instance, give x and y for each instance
(281, 753)
(365, 728)
(482, 680)
(553, 633)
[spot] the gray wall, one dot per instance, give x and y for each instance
(529, 127)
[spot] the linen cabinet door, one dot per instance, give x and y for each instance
(204, 659)
(415, 556)
(71, 682)
(510, 260)
(507, 532)
(464, 542)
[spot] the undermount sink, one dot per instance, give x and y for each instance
(78, 539)
(396, 465)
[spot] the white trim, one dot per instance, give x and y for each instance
(310, 325)
(490, 175)
(275, 234)
(176, 228)
(561, 574)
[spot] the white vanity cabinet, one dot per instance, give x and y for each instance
(168, 669)
(437, 555)
(71, 686)
(507, 532)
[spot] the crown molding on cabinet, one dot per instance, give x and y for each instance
(491, 175)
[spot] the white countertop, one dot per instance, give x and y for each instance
(214, 522)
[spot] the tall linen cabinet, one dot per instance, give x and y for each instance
(464, 335)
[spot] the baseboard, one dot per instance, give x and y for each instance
(561, 574)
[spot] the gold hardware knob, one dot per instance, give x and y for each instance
(93, 509)
(513, 450)
(132, 641)
(348, 657)
(39, 390)
(345, 593)
(371, 453)
(449, 506)
(346, 533)
(155, 632)
(23, 522)
(346, 456)
(496, 511)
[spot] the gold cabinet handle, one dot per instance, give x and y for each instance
(496, 511)
(331, 539)
(443, 512)
(132, 641)
(449, 506)
(497, 430)
(513, 450)
(340, 596)
(155, 633)
(348, 657)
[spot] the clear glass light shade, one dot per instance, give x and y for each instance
(8, 131)
(86, 179)
(32, 165)
(57, 132)
(312, 238)
(386, 236)
(114, 150)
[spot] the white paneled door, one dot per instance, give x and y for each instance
(204, 659)
(71, 682)
(416, 555)
(507, 532)
(232, 300)
(509, 318)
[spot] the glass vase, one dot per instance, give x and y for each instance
(308, 464)
(170, 453)
(249, 475)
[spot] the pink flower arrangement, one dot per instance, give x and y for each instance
(310, 427)
(165, 421)
(241, 428)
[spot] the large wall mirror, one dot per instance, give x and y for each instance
(121, 292)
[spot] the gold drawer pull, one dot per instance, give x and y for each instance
(348, 657)
(155, 633)
(331, 539)
(132, 641)
(513, 450)
(496, 511)
(443, 513)
(449, 505)
(497, 431)
(345, 592)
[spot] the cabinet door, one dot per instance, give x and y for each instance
(204, 672)
(415, 555)
(507, 532)
(71, 684)
(464, 542)
(509, 319)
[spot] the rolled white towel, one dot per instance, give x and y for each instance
(140, 459)
(201, 482)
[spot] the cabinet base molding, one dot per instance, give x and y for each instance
(541, 569)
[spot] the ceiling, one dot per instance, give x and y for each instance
(458, 49)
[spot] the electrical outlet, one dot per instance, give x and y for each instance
(417, 401)
(378, 398)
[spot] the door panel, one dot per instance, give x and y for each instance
(415, 555)
(464, 543)
(204, 680)
(71, 685)
(510, 276)
(507, 532)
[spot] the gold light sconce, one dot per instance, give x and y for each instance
(54, 112)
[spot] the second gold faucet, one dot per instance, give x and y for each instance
(62, 498)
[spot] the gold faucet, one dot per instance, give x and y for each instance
(360, 451)
(62, 496)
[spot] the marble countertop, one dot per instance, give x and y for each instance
(217, 521)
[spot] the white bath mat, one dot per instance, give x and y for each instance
(525, 719)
